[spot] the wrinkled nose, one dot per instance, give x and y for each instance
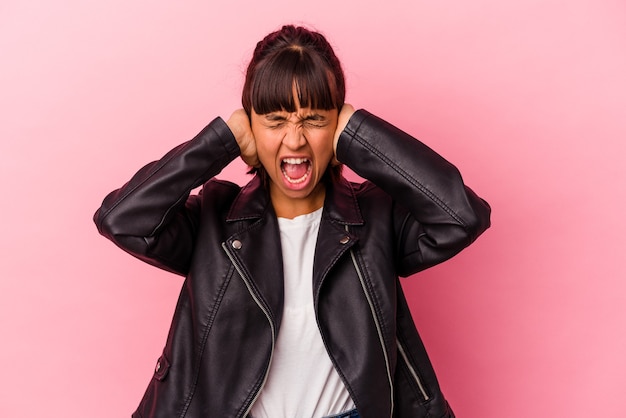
(294, 137)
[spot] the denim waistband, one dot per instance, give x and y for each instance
(349, 414)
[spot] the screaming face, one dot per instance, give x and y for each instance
(295, 149)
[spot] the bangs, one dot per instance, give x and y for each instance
(293, 68)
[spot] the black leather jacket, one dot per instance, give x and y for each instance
(413, 212)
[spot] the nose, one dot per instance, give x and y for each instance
(294, 136)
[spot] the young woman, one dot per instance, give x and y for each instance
(291, 305)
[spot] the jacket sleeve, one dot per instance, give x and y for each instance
(153, 217)
(440, 215)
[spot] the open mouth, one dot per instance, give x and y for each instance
(295, 170)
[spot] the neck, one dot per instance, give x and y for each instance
(286, 207)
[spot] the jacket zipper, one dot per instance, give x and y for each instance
(417, 379)
(246, 281)
(377, 322)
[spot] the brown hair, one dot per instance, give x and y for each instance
(293, 57)
(288, 57)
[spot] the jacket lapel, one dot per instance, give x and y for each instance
(258, 238)
(334, 239)
(256, 245)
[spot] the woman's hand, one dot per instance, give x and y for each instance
(239, 124)
(344, 116)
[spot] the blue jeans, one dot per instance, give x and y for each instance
(350, 414)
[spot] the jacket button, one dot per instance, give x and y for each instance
(158, 366)
(344, 240)
(236, 244)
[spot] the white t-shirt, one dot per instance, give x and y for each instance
(302, 381)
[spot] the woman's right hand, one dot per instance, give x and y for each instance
(239, 124)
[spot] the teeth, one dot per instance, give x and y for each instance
(296, 181)
(295, 160)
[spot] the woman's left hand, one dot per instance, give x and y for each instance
(344, 116)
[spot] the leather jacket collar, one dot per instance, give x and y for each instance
(340, 206)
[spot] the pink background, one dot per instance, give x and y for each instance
(527, 98)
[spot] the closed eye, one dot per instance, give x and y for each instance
(315, 121)
(274, 121)
(312, 124)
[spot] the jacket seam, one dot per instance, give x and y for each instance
(263, 305)
(375, 302)
(374, 307)
(197, 180)
(336, 365)
(355, 136)
(160, 165)
(258, 224)
(209, 326)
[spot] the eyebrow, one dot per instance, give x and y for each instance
(314, 116)
(278, 117)
(274, 117)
